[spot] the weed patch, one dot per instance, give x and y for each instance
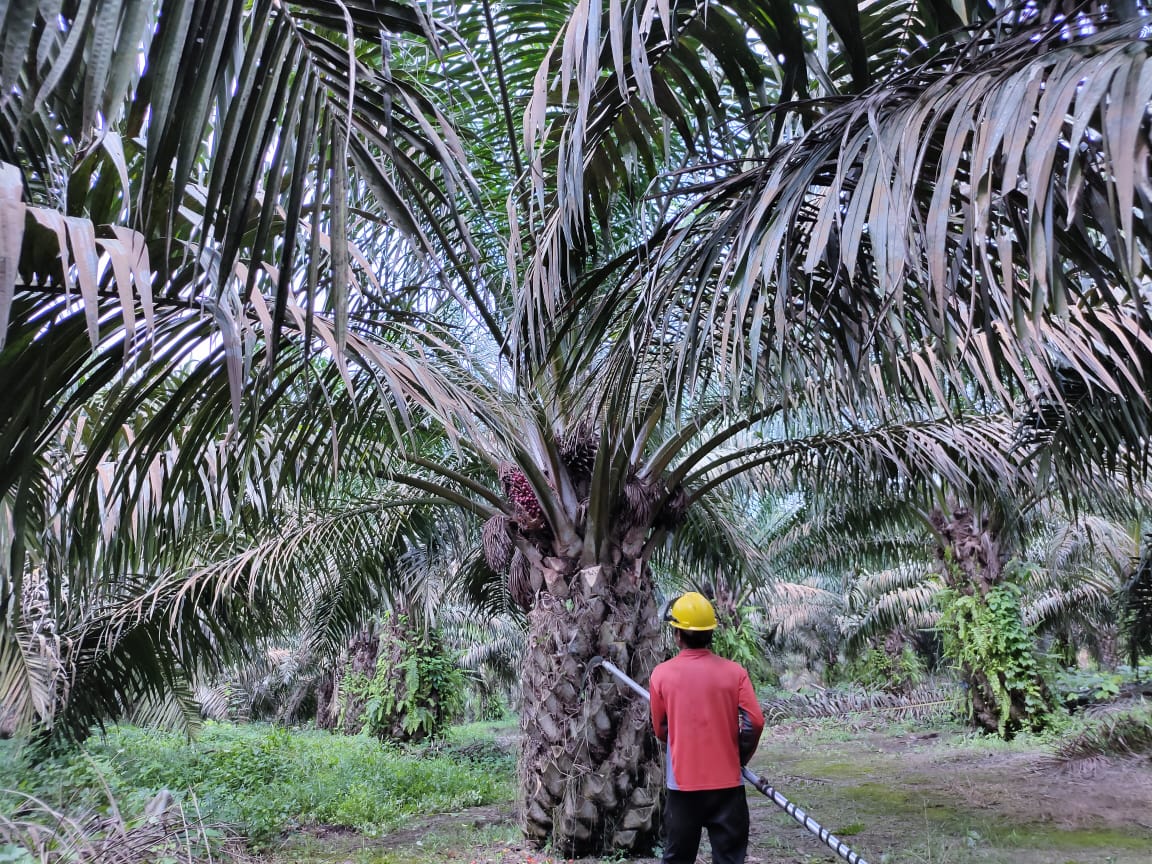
(265, 780)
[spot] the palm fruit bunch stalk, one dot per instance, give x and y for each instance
(520, 587)
(503, 557)
(674, 510)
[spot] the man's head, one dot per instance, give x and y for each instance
(693, 618)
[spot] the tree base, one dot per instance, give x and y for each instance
(591, 779)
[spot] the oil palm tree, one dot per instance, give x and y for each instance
(1064, 572)
(699, 264)
(1136, 611)
(920, 204)
(188, 191)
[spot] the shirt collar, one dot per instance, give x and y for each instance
(695, 652)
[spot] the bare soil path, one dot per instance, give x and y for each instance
(897, 796)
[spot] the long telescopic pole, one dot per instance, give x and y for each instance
(807, 822)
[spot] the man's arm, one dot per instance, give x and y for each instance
(751, 720)
(659, 711)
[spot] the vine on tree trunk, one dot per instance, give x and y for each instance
(413, 690)
(985, 635)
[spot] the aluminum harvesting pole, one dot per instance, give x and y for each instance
(615, 670)
(810, 825)
(806, 822)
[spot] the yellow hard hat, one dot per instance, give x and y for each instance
(691, 611)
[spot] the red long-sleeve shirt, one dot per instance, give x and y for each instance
(696, 697)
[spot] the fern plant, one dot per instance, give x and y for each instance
(877, 669)
(985, 635)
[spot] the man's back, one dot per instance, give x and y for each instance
(698, 694)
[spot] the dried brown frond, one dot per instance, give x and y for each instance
(674, 509)
(1126, 735)
(163, 831)
(923, 703)
(641, 499)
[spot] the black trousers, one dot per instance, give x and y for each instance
(724, 812)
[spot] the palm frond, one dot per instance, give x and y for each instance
(714, 545)
(923, 703)
(161, 829)
(897, 610)
(1126, 734)
(792, 255)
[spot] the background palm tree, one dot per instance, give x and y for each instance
(1136, 620)
(187, 204)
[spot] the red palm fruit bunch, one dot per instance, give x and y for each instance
(529, 514)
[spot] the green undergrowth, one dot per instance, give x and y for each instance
(262, 781)
(899, 792)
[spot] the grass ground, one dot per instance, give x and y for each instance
(917, 796)
(898, 794)
(261, 781)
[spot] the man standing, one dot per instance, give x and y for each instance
(705, 710)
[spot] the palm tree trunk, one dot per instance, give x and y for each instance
(590, 771)
(338, 706)
(973, 564)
